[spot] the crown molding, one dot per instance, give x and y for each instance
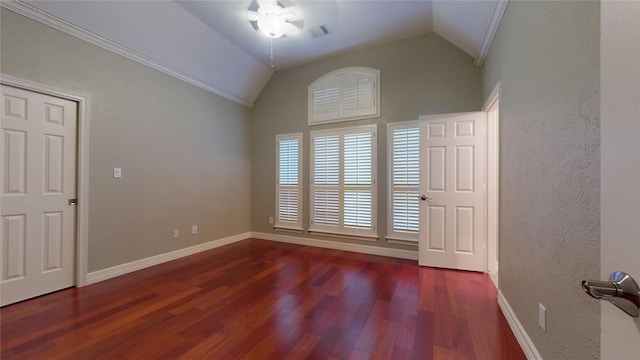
(490, 32)
(75, 31)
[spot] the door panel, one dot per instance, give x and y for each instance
(436, 177)
(452, 178)
(15, 246)
(464, 229)
(39, 177)
(620, 168)
(464, 168)
(437, 227)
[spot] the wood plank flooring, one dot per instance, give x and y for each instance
(257, 299)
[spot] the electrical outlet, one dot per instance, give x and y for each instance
(194, 229)
(542, 317)
(176, 233)
(117, 173)
(271, 220)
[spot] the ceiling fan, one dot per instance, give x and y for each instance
(275, 18)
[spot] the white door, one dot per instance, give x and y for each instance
(620, 168)
(38, 148)
(452, 184)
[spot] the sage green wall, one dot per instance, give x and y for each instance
(418, 76)
(546, 58)
(184, 152)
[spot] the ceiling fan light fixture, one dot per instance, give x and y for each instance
(273, 20)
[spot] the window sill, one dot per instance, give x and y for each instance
(321, 121)
(399, 241)
(372, 238)
(288, 229)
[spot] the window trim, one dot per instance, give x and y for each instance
(341, 230)
(337, 75)
(287, 225)
(392, 235)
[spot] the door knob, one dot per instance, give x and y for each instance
(621, 290)
(425, 197)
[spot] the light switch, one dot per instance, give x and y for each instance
(117, 173)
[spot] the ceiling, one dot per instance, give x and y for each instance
(212, 45)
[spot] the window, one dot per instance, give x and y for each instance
(345, 94)
(289, 181)
(404, 172)
(343, 172)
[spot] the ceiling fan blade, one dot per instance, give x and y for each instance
(285, 3)
(254, 25)
(266, 2)
(297, 23)
(253, 6)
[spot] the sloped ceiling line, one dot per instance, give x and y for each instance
(61, 25)
(496, 16)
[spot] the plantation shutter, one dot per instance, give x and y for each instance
(358, 95)
(326, 100)
(345, 94)
(288, 181)
(326, 205)
(343, 173)
(357, 180)
(405, 171)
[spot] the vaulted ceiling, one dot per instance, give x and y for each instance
(212, 45)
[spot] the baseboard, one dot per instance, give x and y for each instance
(364, 249)
(494, 279)
(518, 330)
(118, 270)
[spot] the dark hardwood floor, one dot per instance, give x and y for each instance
(257, 299)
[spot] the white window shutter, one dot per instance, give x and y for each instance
(406, 211)
(342, 190)
(289, 162)
(326, 207)
(357, 180)
(327, 160)
(404, 160)
(406, 156)
(357, 209)
(358, 95)
(326, 179)
(288, 205)
(346, 94)
(288, 181)
(326, 100)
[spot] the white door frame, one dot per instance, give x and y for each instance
(491, 105)
(82, 215)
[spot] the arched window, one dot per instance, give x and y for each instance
(346, 94)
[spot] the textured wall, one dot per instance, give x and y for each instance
(418, 76)
(184, 152)
(546, 56)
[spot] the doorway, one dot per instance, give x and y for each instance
(492, 109)
(43, 155)
(459, 188)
